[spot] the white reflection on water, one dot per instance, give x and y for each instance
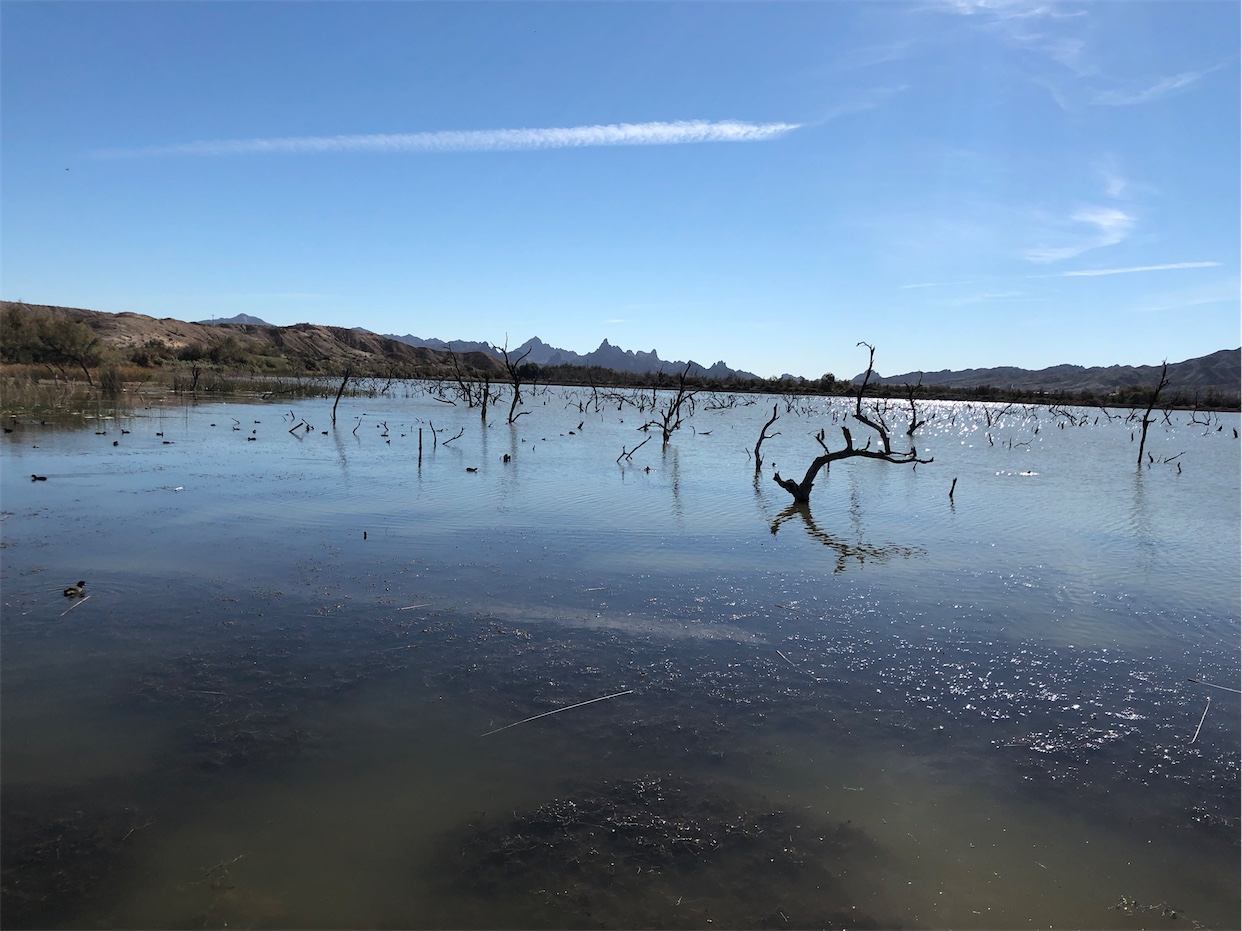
(1020, 650)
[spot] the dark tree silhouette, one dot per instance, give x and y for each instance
(873, 418)
(670, 414)
(1147, 418)
(513, 368)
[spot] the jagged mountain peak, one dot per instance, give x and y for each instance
(608, 355)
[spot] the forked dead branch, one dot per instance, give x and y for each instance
(517, 373)
(873, 418)
(670, 415)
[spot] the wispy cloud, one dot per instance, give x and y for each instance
(1060, 33)
(1161, 89)
(682, 132)
(1112, 226)
(1000, 9)
(1093, 272)
(868, 99)
(1114, 184)
(871, 55)
(988, 297)
(1183, 304)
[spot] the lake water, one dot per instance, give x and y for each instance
(894, 708)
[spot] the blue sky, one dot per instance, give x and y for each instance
(964, 183)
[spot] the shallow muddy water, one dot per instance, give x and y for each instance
(892, 709)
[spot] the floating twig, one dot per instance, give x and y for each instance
(74, 605)
(412, 607)
(1201, 720)
(1210, 685)
(535, 717)
(796, 666)
(132, 830)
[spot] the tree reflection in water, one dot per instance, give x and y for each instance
(845, 549)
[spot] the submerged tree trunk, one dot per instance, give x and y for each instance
(340, 391)
(764, 435)
(1147, 421)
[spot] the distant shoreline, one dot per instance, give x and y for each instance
(143, 348)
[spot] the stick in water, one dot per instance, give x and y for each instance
(74, 605)
(535, 717)
(1212, 686)
(1201, 720)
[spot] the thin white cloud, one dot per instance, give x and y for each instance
(985, 298)
(869, 99)
(1228, 295)
(871, 55)
(1093, 272)
(681, 132)
(1001, 9)
(1112, 227)
(1161, 89)
(1114, 184)
(1060, 33)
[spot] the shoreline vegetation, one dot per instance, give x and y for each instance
(55, 359)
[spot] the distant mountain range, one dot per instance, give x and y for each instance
(1221, 370)
(538, 352)
(606, 356)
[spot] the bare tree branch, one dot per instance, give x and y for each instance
(512, 368)
(670, 415)
(801, 491)
(764, 435)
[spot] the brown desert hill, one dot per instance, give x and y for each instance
(307, 346)
(1219, 371)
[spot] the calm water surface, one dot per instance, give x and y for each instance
(892, 709)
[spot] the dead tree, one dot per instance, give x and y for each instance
(513, 370)
(765, 435)
(1147, 420)
(349, 372)
(670, 414)
(915, 423)
(874, 419)
(466, 387)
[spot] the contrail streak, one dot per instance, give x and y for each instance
(1094, 272)
(681, 132)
